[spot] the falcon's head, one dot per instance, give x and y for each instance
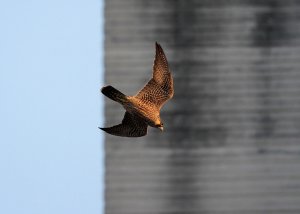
(160, 126)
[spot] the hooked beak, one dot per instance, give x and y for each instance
(161, 128)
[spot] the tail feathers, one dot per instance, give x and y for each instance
(114, 94)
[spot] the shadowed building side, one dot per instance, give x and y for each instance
(231, 139)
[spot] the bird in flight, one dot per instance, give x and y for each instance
(143, 109)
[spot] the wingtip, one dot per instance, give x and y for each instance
(106, 88)
(102, 89)
(158, 48)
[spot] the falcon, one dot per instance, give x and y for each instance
(143, 109)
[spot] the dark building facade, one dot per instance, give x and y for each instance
(232, 130)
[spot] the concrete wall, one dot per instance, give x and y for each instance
(232, 131)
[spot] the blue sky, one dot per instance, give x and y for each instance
(51, 69)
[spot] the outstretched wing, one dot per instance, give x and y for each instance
(131, 126)
(160, 88)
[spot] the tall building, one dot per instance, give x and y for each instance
(232, 130)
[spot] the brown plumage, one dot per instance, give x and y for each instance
(143, 109)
